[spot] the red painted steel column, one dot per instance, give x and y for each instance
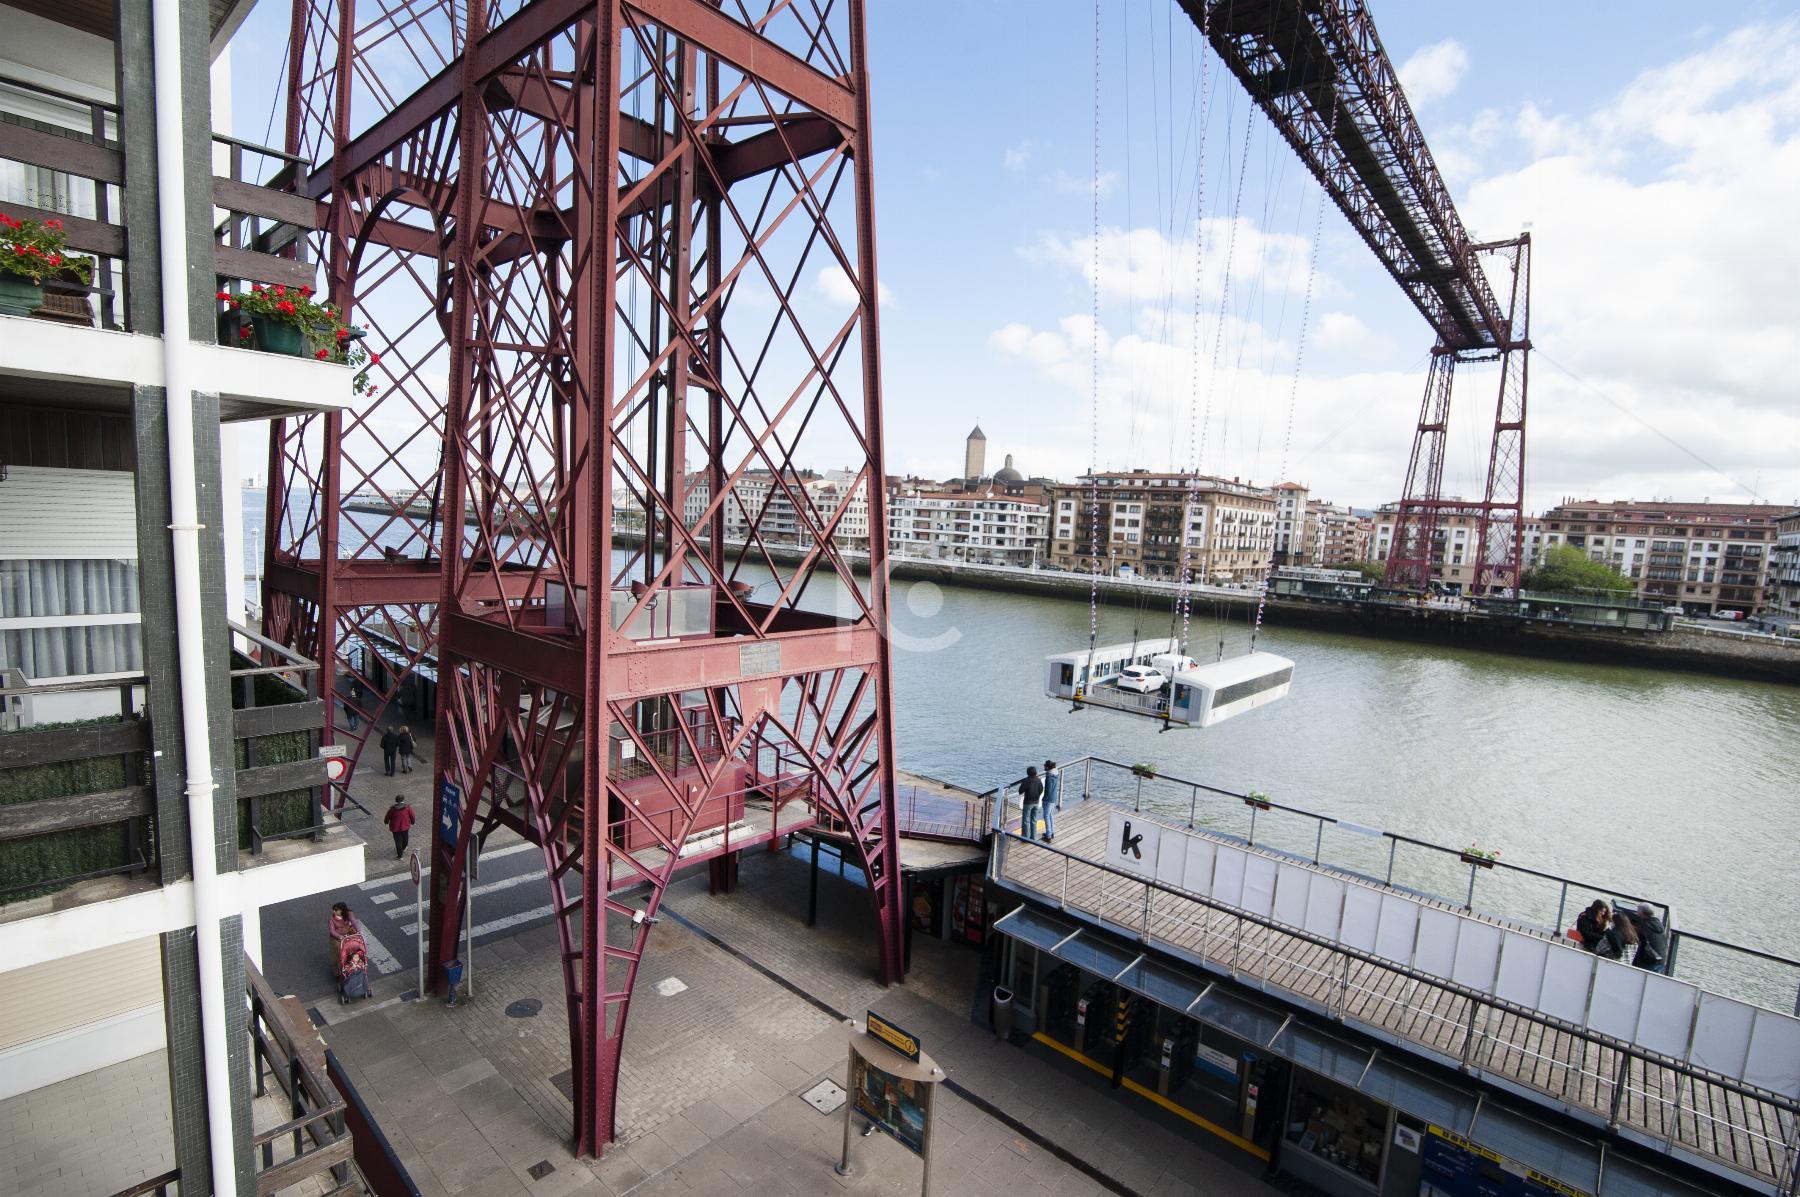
(889, 915)
(447, 860)
(597, 1068)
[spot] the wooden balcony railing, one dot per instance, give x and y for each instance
(261, 234)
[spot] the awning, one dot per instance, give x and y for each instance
(1380, 1076)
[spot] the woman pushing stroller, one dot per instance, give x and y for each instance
(349, 953)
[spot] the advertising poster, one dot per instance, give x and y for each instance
(901, 1108)
(1455, 1167)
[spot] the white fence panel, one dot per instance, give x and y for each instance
(1259, 884)
(1722, 1035)
(1171, 858)
(1567, 974)
(1521, 979)
(1292, 884)
(1399, 923)
(1325, 906)
(1434, 951)
(1618, 992)
(1228, 876)
(1477, 955)
(1774, 1054)
(1667, 1015)
(1362, 918)
(1132, 843)
(1197, 874)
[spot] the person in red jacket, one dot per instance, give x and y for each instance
(399, 820)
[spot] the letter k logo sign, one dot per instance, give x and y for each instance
(1129, 843)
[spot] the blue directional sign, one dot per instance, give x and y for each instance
(449, 812)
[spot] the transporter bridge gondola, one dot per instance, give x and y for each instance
(1179, 691)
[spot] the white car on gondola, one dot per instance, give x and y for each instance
(1141, 679)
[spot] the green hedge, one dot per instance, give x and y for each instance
(66, 853)
(38, 862)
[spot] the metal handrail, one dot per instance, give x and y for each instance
(1476, 998)
(158, 1185)
(1676, 935)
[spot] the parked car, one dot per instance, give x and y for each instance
(1142, 679)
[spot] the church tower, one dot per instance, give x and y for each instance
(975, 455)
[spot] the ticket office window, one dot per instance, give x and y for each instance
(1022, 979)
(1333, 1131)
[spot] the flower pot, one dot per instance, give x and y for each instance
(278, 336)
(1480, 862)
(19, 296)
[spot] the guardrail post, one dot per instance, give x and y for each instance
(1319, 841)
(1393, 846)
(1469, 902)
(1562, 906)
(1087, 779)
(1619, 1083)
(1253, 810)
(1193, 804)
(1137, 803)
(1148, 890)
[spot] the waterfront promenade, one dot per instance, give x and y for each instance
(474, 1098)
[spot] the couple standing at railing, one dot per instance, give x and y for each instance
(1040, 796)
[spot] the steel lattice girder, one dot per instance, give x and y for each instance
(737, 175)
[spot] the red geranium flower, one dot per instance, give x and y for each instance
(223, 296)
(322, 354)
(244, 334)
(285, 308)
(53, 224)
(374, 359)
(56, 259)
(306, 290)
(280, 290)
(343, 334)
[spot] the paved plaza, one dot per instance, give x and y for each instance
(732, 1019)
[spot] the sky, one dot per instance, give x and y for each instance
(1652, 152)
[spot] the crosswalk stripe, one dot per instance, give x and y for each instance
(400, 912)
(500, 924)
(384, 899)
(387, 879)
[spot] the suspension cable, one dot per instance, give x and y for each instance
(1184, 600)
(1312, 270)
(1094, 378)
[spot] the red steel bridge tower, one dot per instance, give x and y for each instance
(1318, 70)
(618, 260)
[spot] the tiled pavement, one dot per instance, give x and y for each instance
(97, 1133)
(709, 1087)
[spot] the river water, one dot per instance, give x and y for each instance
(1675, 787)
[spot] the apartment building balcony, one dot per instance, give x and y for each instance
(85, 804)
(89, 344)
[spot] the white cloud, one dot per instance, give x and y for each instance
(1018, 157)
(1433, 72)
(1069, 184)
(1663, 274)
(835, 285)
(1664, 263)
(1344, 331)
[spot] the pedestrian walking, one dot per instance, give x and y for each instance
(1052, 799)
(1653, 940)
(406, 748)
(399, 820)
(390, 749)
(1031, 798)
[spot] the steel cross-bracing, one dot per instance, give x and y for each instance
(1318, 70)
(618, 260)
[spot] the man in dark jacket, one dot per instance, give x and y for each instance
(1031, 797)
(1653, 940)
(390, 749)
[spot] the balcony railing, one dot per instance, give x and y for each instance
(261, 223)
(78, 801)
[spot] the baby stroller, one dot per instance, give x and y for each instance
(353, 969)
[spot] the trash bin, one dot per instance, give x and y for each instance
(1003, 1012)
(453, 973)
